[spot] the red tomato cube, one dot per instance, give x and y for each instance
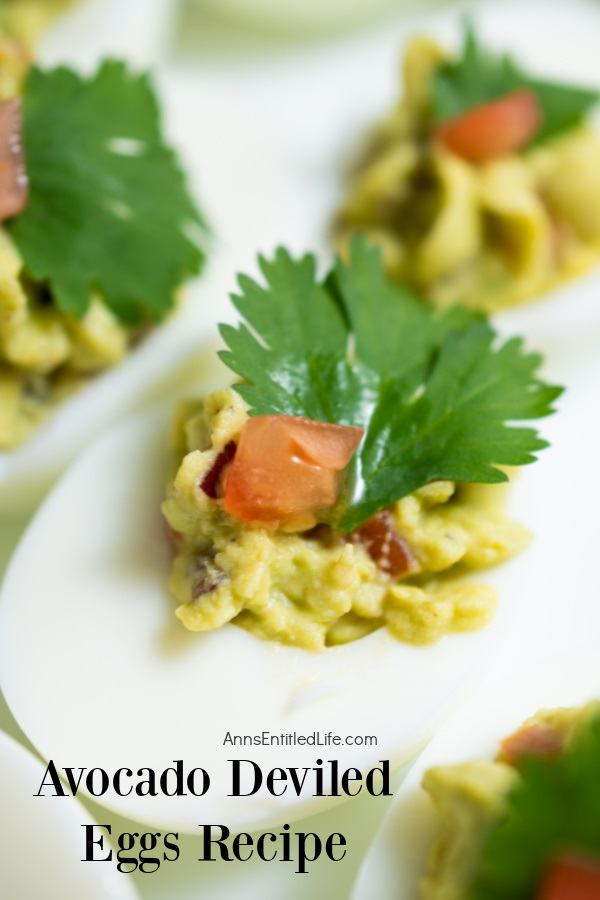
(287, 468)
(493, 129)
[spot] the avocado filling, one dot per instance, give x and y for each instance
(316, 587)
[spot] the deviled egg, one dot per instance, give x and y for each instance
(86, 601)
(88, 265)
(482, 185)
(126, 366)
(329, 494)
(501, 803)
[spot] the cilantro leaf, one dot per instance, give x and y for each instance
(436, 394)
(479, 76)
(554, 807)
(108, 206)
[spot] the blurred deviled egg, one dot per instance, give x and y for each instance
(99, 234)
(481, 185)
(504, 802)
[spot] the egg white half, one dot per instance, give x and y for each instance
(42, 839)
(398, 856)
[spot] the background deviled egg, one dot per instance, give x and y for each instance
(236, 205)
(397, 859)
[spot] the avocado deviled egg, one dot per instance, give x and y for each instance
(323, 523)
(481, 187)
(99, 234)
(504, 801)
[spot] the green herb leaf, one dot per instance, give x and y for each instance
(437, 395)
(479, 76)
(555, 807)
(108, 206)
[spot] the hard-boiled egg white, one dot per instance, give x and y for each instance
(98, 672)
(41, 839)
(239, 193)
(398, 856)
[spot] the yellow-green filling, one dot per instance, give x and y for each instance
(44, 353)
(315, 590)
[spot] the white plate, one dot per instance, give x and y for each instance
(42, 839)
(398, 857)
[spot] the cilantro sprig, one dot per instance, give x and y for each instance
(108, 207)
(479, 76)
(437, 394)
(554, 808)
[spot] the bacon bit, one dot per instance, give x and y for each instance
(388, 549)
(571, 878)
(211, 482)
(13, 178)
(205, 577)
(537, 740)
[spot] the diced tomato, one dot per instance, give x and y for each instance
(493, 129)
(13, 179)
(211, 482)
(286, 468)
(571, 878)
(537, 740)
(385, 546)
